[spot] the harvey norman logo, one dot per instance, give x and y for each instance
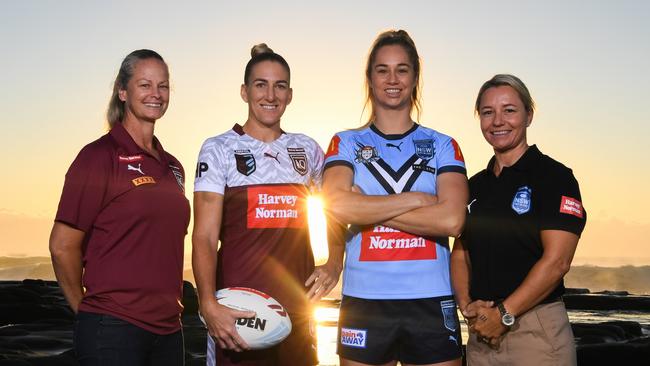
(571, 206)
(381, 243)
(278, 206)
(129, 159)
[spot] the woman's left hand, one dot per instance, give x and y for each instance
(488, 325)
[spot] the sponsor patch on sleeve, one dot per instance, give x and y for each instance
(571, 206)
(333, 148)
(353, 337)
(458, 154)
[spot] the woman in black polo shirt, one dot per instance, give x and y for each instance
(524, 220)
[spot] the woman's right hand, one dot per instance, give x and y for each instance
(471, 310)
(220, 321)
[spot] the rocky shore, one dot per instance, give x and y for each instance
(36, 327)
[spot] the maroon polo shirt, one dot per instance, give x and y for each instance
(133, 210)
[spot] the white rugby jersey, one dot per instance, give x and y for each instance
(381, 262)
(264, 235)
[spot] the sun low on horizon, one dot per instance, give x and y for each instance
(588, 80)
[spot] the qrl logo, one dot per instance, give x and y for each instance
(253, 323)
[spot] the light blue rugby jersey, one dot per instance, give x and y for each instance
(383, 263)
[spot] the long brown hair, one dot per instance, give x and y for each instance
(400, 38)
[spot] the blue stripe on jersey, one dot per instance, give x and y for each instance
(385, 263)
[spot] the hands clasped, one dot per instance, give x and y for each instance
(484, 319)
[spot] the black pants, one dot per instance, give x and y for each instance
(103, 340)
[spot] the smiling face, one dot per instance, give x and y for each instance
(392, 78)
(267, 93)
(504, 119)
(146, 96)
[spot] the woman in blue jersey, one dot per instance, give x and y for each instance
(402, 188)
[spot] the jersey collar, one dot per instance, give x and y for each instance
(396, 136)
(122, 137)
(525, 162)
(239, 129)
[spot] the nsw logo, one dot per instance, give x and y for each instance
(353, 337)
(522, 200)
(424, 149)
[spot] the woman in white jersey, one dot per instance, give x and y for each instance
(402, 188)
(250, 202)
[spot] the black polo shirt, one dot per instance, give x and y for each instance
(505, 218)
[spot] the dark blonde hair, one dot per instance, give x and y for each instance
(511, 81)
(115, 111)
(260, 53)
(388, 38)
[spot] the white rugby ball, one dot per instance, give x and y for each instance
(271, 323)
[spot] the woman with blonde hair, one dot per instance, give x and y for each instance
(402, 189)
(117, 240)
(525, 217)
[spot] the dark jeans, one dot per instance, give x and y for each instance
(104, 340)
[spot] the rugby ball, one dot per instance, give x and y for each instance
(271, 323)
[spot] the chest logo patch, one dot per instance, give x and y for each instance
(245, 163)
(424, 149)
(178, 175)
(384, 244)
(143, 180)
(298, 159)
(277, 206)
(521, 202)
(129, 158)
(299, 162)
(135, 168)
(366, 154)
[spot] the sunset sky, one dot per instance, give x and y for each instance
(586, 64)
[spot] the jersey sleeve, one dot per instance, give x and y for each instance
(450, 157)
(85, 188)
(211, 168)
(561, 203)
(339, 152)
(318, 161)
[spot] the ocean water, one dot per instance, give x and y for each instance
(327, 316)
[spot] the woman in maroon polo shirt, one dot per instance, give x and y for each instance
(117, 240)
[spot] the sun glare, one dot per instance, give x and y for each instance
(317, 229)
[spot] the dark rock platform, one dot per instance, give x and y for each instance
(36, 327)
